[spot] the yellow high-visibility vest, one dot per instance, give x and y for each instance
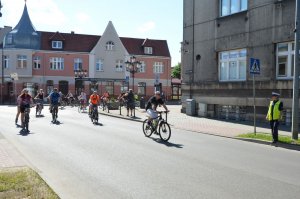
(276, 111)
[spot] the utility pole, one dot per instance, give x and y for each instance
(295, 110)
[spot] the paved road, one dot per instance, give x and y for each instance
(80, 160)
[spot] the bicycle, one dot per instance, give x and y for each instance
(54, 111)
(26, 119)
(39, 108)
(94, 114)
(158, 126)
(81, 107)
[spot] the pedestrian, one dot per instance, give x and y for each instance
(274, 115)
(130, 102)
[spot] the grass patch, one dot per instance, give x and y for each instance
(268, 137)
(24, 183)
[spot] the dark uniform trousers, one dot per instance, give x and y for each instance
(274, 127)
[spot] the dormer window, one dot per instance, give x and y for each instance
(110, 45)
(9, 39)
(148, 50)
(57, 44)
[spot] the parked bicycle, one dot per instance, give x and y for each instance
(94, 114)
(158, 126)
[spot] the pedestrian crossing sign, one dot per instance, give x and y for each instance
(254, 66)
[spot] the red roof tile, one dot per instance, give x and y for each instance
(72, 42)
(135, 46)
(85, 43)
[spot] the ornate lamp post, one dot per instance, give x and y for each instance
(79, 74)
(133, 66)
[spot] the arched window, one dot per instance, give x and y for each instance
(110, 45)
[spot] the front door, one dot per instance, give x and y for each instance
(63, 86)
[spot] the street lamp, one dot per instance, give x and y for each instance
(133, 67)
(79, 74)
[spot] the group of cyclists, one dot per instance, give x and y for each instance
(25, 100)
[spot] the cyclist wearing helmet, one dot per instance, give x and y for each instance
(94, 101)
(152, 104)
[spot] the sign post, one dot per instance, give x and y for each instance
(254, 69)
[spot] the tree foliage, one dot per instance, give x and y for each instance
(176, 71)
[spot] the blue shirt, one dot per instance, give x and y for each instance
(54, 97)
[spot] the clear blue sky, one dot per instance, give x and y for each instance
(156, 19)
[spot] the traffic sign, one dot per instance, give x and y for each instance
(254, 66)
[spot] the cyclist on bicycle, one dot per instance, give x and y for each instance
(18, 107)
(39, 99)
(105, 97)
(54, 101)
(25, 101)
(152, 104)
(82, 99)
(94, 101)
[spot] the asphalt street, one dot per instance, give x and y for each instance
(115, 160)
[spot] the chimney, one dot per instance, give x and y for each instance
(72, 32)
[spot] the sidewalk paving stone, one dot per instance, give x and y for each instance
(196, 124)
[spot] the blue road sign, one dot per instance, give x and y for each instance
(254, 66)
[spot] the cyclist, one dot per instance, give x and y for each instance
(18, 107)
(152, 104)
(105, 98)
(82, 99)
(54, 100)
(40, 99)
(94, 101)
(70, 98)
(25, 101)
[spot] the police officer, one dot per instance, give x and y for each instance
(274, 115)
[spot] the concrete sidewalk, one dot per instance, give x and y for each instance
(9, 155)
(197, 124)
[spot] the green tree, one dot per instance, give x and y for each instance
(176, 71)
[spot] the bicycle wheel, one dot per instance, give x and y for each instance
(164, 131)
(147, 129)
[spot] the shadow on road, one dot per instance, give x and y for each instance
(278, 144)
(39, 116)
(168, 144)
(57, 122)
(24, 133)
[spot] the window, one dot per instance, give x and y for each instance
(119, 65)
(22, 61)
(124, 87)
(6, 61)
(229, 7)
(57, 44)
(110, 45)
(148, 50)
(9, 39)
(285, 60)
(56, 63)
(36, 62)
(142, 88)
(158, 67)
(232, 65)
(99, 65)
(109, 87)
(77, 64)
(142, 67)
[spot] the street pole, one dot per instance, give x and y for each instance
(254, 105)
(2, 74)
(295, 110)
(133, 81)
